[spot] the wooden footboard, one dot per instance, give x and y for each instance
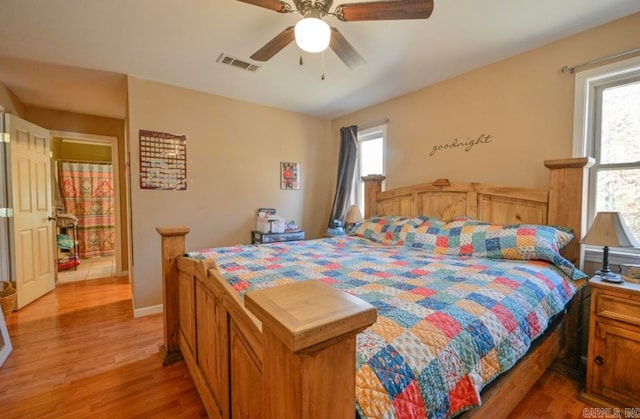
(292, 345)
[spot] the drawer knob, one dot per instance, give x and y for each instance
(598, 360)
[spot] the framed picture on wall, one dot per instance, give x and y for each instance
(163, 161)
(289, 175)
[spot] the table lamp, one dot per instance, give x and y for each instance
(609, 229)
(354, 216)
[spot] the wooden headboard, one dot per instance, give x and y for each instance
(446, 200)
(561, 204)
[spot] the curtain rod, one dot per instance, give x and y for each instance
(566, 69)
(83, 161)
(372, 124)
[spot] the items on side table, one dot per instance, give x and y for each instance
(339, 228)
(264, 219)
(268, 222)
(336, 229)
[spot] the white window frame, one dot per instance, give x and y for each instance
(588, 86)
(366, 135)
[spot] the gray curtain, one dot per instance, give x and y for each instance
(346, 172)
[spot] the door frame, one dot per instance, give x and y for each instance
(5, 256)
(115, 161)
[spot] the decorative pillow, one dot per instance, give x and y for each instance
(391, 229)
(463, 236)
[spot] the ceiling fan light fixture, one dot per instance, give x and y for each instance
(312, 34)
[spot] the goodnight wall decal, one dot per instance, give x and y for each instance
(464, 145)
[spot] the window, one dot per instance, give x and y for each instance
(608, 122)
(371, 144)
(616, 175)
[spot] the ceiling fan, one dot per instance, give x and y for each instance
(312, 34)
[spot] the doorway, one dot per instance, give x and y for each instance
(86, 150)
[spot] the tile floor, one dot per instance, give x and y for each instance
(92, 268)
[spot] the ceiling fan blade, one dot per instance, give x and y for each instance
(275, 5)
(274, 46)
(345, 51)
(385, 10)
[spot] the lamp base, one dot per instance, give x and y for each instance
(612, 277)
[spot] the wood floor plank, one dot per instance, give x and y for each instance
(79, 353)
(554, 396)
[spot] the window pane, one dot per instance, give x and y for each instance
(618, 190)
(620, 133)
(371, 157)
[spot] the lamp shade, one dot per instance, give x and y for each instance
(609, 229)
(353, 215)
(312, 34)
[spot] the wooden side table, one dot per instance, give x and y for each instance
(613, 359)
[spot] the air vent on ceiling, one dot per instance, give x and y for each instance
(234, 62)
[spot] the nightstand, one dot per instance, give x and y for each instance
(613, 359)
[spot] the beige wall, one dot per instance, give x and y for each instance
(234, 150)
(95, 125)
(523, 102)
(10, 102)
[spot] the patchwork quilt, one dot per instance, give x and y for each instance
(447, 326)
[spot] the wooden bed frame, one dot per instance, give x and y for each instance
(289, 351)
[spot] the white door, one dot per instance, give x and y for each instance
(31, 229)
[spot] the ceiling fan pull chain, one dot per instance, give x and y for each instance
(322, 76)
(301, 59)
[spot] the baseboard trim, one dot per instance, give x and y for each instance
(147, 311)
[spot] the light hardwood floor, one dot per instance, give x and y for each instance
(79, 353)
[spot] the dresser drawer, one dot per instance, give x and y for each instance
(618, 308)
(260, 237)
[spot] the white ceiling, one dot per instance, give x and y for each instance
(90, 44)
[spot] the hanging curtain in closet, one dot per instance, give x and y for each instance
(87, 191)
